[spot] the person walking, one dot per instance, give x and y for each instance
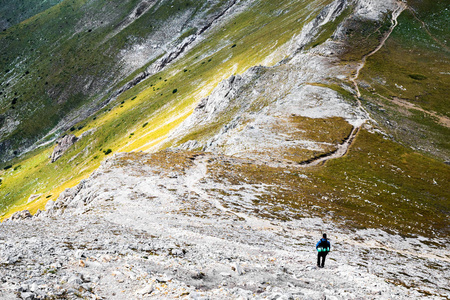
(322, 247)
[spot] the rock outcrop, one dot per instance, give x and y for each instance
(21, 215)
(62, 145)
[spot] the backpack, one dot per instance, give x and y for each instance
(323, 246)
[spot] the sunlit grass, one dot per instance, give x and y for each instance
(153, 101)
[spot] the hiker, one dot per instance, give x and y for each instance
(322, 247)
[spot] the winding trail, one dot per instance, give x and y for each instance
(395, 14)
(343, 148)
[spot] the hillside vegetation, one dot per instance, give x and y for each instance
(264, 63)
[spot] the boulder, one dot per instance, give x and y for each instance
(62, 145)
(21, 215)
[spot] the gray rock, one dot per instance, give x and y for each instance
(237, 268)
(75, 280)
(62, 146)
(27, 296)
(49, 205)
(148, 289)
(21, 215)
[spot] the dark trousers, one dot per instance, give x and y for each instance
(323, 255)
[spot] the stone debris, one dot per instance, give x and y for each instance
(152, 241)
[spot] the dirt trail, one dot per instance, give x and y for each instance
(394, 23)
(442, 119)
(343, 148)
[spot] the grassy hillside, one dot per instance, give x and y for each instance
(67, 59)
(14, 12)
(407, 82)
(379, 184)
(143, 116)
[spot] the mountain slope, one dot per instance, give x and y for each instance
(59, 66)
(138, 228)
(265, 124)
(120, 125)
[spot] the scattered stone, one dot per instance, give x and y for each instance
(33, 197)
(75, 280)
(27, 296)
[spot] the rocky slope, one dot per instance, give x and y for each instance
(267, 129)
(139, 230)
(57, 73)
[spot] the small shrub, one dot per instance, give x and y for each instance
(108, 151)
(72, 128)
(134, 98)
(234, 45)
(17, 167)
(7, 167)
(417, 77)
(48, 196)
(145, 124)
(174, 91)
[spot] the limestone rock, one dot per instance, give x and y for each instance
(21, 215)
(62, 145)
(33, 197)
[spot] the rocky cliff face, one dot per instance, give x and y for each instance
(62, 145)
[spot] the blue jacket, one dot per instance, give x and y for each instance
(326, 240)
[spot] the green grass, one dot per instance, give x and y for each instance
(68, 61)
(378, 184)
(413, 67)
(153, 101)
(14, 12)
